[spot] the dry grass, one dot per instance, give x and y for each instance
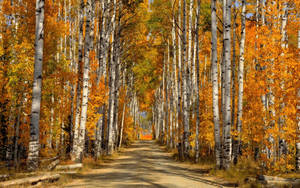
(292, 175)
(67, 162)
(245, 169)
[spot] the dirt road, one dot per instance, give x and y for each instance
(144, 164)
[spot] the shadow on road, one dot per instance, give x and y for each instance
(144, 164)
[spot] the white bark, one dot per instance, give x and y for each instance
(167, 107)
(241, 78)
(298, 119)
(190, 63)
(118, 66)
(163, 103)
(162, 125)
(197, 84)
(284, 21)
(34, 145)
(50, 138)
(215, 95)
(85, 91)
(122, 125)
(179, 82)
(101, 72)
(79, 81)
(227, 145)
(233, 63)
(185, 89)
(174, 79)
(263, 12)
(112, 77)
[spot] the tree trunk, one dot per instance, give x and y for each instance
(79, 81)
(227, 145)
(101, 72)
(117, 60)
(197, 81)
(190, 55)
(85, 91)
(233, 63)
(241, 81)
(179, 83)
(122, 125)
(99, 129)
(112, 76)
(163, 103)
(162, 120)
(185, 90)
(50, 138)
(263, 12)
(72, 69)
(167, 98)
(174, 77)
(34, 145)
(17, 135)
(298, 119)
(215, 94)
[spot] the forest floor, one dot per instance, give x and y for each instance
(143, 164)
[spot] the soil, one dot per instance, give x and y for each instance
(144, 164)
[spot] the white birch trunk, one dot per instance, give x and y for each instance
(190, 64)
(263, 12)
(79, 81)
(227, 145)
(185, 89)
(101, 72)
(167, 81)
(162, 119)
(122, 125)
(174, 79)
(215, 95)
(223, 68)
(163, 103)
(117, 60)
(112, 75)
(197, 84)
(179, 81)
(298, 119)
(241, 79)
(34, 145)
(50, 138)
(72, 69)
(233, 63)
(284, 45)
(85, 84)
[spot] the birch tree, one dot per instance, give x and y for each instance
(197, 80)
(227, 145)
(298, 119)
(185, 89)
(112, 77)
(241, 79)
(34, 145)
(175, 75)
(179, 82)
(79, 81)
(85, 90)
(215, 90)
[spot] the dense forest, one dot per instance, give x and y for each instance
(213, 80)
